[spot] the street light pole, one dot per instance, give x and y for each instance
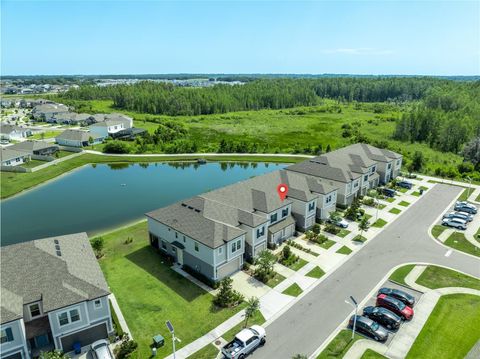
(354, 304)
(174, 339)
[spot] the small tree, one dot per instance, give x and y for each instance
(42, 135)
(418, 161)
(54, 354)
(265, 262)
(363, 225)
(97, 245)
(226, 296)
(90, 141)
(253, 305)
(310, 235)
(126, 348)
(316, 228)
(287, 252)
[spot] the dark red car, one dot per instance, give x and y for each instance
(395, 306)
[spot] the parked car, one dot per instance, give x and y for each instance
(405, 184)
(398, 294)
(383, 316)
(455, 223)
(245, 342)
(465, 207)
(338, 221)
(389, 192)
(369, 327)
(461, 215)
(101, 350)
(395, 305)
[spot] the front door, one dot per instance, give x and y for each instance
(180, 256)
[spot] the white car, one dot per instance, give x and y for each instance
(455, 223)
(101, 349)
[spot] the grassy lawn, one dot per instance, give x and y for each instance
(297, 264)
(400, 273)
(372, 354)
(379, 223)
(458, 241)
(257, 318)
(327, 244)
(343, 233)
(416, 194)
(13, 183)
(478, 198)
(368, 216)
(402, 190)
(207, 352)
(457, 335)
(62, 153)
(275, 280)
(359, 238)
(423, 188)
(390, 199)
(294, 290)
(46, 134)
(32, 164)
(438, 277)
(437, 230)
(149, 292)
(316, 272)
(339, 345)
(381, 206)
(404, 203)
(344, 250)
(465, 194)
(395, 210)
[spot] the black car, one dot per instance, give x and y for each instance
(389, 192)
(405, 184)
(383, 316)
(399, 294)
(370, 328)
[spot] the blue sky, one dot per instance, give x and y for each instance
(123, 37)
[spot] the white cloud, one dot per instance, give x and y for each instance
(358, 51)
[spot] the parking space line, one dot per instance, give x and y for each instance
(448, 253)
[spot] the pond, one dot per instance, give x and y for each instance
(96, 198)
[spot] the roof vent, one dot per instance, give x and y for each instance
(57, 247)
(55, 241)
(59, 253)
(184, 205)
(197, 210)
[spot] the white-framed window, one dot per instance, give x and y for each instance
(365, 178)
(70, 316)
(196, 246)
(176, 234)
(220, 250)
(355, 184)
(329, 199)
(311, 206)
(236, 245)
(6, 335)
(284, 212)
(398, 162)
(35, 310)
(273, 218)
(260, 232)
(164, 245)
(97, 304)
(389, 166)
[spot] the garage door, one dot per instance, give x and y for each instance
(14, 356)
(85, 337)
(229, 268)
(289, 232)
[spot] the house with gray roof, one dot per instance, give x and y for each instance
(78, 138)
(32, 147)
(48, 111)
(13, 132)
(11, 157)
(54, 294)
(111, 124)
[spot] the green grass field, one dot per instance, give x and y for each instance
(359, 238)
(379, 223)
(451, 330)
(438, 277)
(344, 250)
(404, 203)
(339, 345)
(371, 354)
(294, 290)
(458, 241)
(395, 210)
(400, 273)
(437, 230)
(316, 272)
(149, 293)
(46, 134)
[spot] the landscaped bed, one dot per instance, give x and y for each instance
(316, 272)
(294, 290)
(400, 273)
(395, 210)
(339, 345)
(371, 354)
(149, 292)
(437, 230)
(343, 233)
(438, 277)
(379, 223)
(344, 250)
(451, 330)
(404, 204)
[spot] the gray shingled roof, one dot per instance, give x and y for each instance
(6, 128)
(323, 169)
(8, 154)
(30, 146)
(33, 271)
(374, 153)
(194, 224)
(281, 225)
(77, 135)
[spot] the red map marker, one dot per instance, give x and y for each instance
(282, 190)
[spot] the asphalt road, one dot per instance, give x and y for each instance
(309, 322)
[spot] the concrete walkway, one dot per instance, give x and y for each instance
(445, 234)
(55, 162)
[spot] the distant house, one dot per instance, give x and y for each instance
(13, 158)
(42, 148)
(111, 126)
(53, 295)
(78, 138)
(47, 111)
(129, 133)
(13, 132)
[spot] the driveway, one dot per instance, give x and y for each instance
(310, 321)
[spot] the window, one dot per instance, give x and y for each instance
(374, 168)
(239, 244)
(176, 235)
(273, 218)
(184, 240)
(355, 184)
(365, 178)
(329, 199)
(74, 315)
(35, 310)
(63, 318)
(6, 335)
(260, 232)
(284, 212)
(97, 303)
(196, 246)
(8, 163)
(398, 162)
(311, 206)
(220, 250)
(389, 166)
(164, 245)
(236, 246)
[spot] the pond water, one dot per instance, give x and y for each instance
(100, 197)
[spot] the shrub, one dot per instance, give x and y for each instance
(316, 228)
(126, 348)
(331, 228)
(227, 297)
(97, 246)
(287, 252)
(116, 147)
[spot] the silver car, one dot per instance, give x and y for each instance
(455, 223)
(460, 215)
(101, 349)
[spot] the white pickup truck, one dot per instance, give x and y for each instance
(245, 342)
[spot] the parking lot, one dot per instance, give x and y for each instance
(371, 302)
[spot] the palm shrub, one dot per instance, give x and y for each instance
(253, 305)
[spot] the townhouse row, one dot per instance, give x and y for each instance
(53, 296)
(214, 233)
